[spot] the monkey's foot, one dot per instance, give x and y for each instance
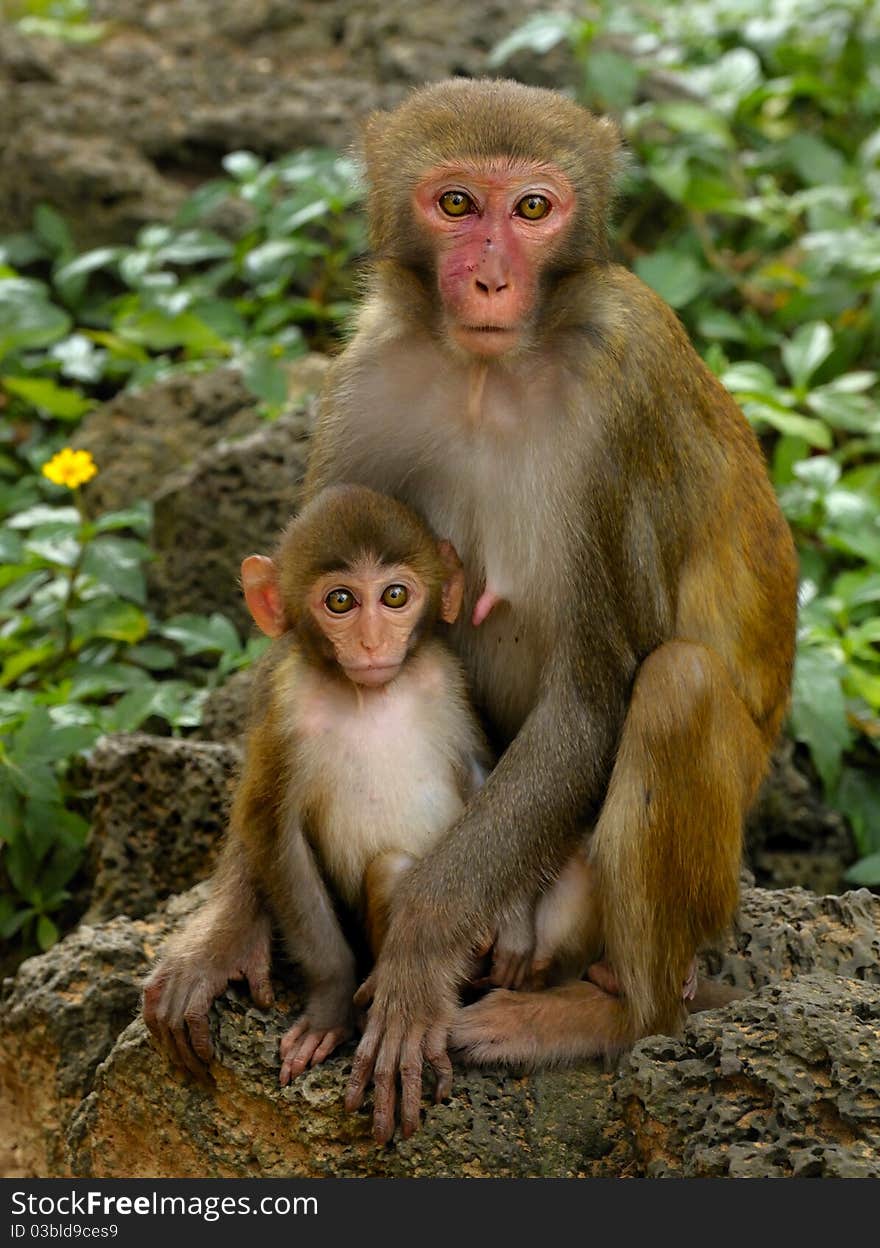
(304, 1045)
(555, 1027)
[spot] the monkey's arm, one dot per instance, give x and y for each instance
(516, 832)
(315, 941)
(229, 938)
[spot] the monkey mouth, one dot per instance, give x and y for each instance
(373, 673)
(488, 340)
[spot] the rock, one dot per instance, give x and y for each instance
(225, 713)
(792, 836)
(59, 1018)
(785, 1079)
(783, 933)
(141, 437)
(159, 819)
(114, 133)
(784, 1084)
(142, 1118)
(231, 502)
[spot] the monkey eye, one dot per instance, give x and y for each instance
(339, 601)
(395, 596)
(456, 204)
(533, 207)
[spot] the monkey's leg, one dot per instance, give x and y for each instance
(315, 940)
(666, 850)
(380, 880)
(568, 923)
(512, 954)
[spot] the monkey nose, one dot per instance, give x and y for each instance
(489, 286)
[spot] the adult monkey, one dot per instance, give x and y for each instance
(631, 576)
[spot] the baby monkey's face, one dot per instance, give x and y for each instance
(369, 613)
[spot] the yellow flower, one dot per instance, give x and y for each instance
(70, 468)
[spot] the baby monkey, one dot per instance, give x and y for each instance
(362, 752)
(363, 747)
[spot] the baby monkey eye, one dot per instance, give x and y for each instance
(395, 596)
(533, 207)
(456, 203)
(339, 601)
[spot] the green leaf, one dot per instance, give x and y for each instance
(866, 872)
(812, 431)
(24, 660)
(44, 513)
(156, 658)
(120, 621)
(243, 166)
(684, 117)
(51, 229)
(198, 634)
(748, 377)
(676, 278)
(821, 471)
(161, 332)
(818, 710)
(47, 932)
(816, 163)
(612, 78)
(59, 549)
(70, 279)
(63, 402)
(41, 739)
(265, 378)
(194, 247)
(809, 347)
(138, 517)
(80, 359)
(862, 683)
(117, 564)
(539, 34)
(27, 318)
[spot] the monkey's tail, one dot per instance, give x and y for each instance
(667, 845)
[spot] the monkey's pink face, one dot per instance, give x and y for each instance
(368, 613)
(495, 225)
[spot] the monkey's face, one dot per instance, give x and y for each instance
(494, 225)
(370, 616)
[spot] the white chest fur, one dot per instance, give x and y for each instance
(378, 767)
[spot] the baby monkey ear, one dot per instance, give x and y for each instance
(452, 592)
(259, 580)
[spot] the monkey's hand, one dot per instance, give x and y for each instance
(180, 991)
(401, 1035)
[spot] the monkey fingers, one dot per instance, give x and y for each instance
(177, 1019)
(304, 1045)
(510, 967)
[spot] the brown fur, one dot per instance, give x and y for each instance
(638, 668)
(299, 841)
(606, 488)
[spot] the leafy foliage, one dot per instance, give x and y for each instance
(80, 652)
(751, 204)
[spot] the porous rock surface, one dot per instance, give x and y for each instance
(787, 1086)
(783, 1082)
(160, 811)
(232, 501)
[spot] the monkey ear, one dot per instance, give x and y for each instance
(259, 580)
(453, 586)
